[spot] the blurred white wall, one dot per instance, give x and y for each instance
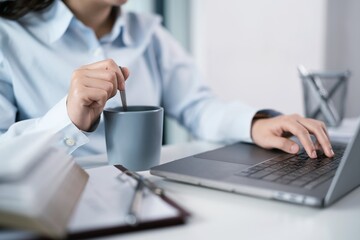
(249, 50)
(343, 46)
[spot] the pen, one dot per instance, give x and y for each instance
(133, 215)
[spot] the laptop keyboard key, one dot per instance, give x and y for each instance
(260, 174)
(320, 180)
(295, 170)
(283, 181)
(298, 183)
(271, 177)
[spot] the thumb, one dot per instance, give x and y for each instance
(125, 71)
(123, 77)
(283, 144)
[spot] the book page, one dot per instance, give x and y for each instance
(28, 195)
(107, 199)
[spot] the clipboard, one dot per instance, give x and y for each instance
(169, 213)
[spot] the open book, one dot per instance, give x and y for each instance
(40, 185)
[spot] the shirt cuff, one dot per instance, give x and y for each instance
(57, 121)
(266, 113)
(241, 127)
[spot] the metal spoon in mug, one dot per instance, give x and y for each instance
(123, 96)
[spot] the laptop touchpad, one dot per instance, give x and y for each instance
(242, 153)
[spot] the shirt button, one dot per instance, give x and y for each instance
(69, 142)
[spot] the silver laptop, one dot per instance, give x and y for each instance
(247, 169)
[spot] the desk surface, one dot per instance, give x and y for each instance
(218, 214)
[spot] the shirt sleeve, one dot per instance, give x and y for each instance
(7, 100)
(55, 121)
(187, 98)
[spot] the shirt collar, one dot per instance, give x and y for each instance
(117, 28)
(132, 28)
(50, 24)
(138, 29)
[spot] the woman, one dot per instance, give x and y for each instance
(59, 69)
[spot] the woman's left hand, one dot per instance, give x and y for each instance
(275, 132)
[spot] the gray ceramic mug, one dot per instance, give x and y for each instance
(134, 137)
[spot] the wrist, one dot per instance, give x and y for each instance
(261, 115)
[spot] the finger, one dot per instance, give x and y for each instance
(317, 129)
(122, 77)
(283, 144)
(89, 97)
(125, 71)
(325, 130)
(318, 146)
(85, 76)
(108, 87)
(104, 75)
(95, 98)
(104, 64)
(109, 65)
(100, 74)
(121, 73)
(303, 135)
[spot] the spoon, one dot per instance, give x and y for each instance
(123, 96)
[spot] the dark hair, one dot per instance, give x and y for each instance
(15, 9)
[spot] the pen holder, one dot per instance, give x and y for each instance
(324, 95)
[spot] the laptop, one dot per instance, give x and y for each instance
(247, 169)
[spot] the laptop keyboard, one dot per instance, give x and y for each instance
(298, 170)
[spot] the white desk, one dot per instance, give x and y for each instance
(221, 215)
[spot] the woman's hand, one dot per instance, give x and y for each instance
(274, 133)
(91, 86)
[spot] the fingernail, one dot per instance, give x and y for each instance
(313, 154)
(293, 149)
(332, 152)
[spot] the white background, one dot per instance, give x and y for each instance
(248, 50)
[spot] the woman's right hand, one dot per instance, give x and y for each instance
(91, 86)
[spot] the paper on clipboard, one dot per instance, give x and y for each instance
(106, 200)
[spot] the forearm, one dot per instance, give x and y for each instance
(221, 121)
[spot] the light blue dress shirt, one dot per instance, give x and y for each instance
(40, 52)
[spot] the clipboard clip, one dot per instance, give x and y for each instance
(139, 178)
(133, 216)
